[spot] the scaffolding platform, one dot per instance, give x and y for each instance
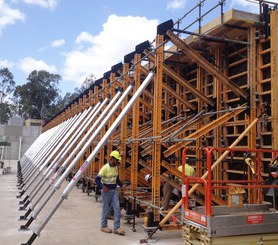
(250, 224)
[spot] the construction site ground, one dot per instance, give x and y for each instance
(76, 222)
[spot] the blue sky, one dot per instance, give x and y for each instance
(76, 38)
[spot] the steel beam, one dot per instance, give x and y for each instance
(200, 60)
(180, 80)
(205, 129)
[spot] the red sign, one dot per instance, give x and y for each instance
(255, 219)
(195, 216)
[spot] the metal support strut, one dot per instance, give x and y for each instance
(90, 158)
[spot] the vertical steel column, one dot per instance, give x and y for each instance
(156, 160)
(112, 118)
(217, 174)
(124, 125)
(93, 169)
(274, 77)
(102, 133)
(199, 155)
(135, 129)
(252, 78)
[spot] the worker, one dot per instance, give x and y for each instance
(168, 189)
(108, 180)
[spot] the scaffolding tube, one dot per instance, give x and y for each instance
(53, 144)
(99, 123)
(54, 140)
(91, 156)
(77, 126)
(63, 153)
(49, 146)
(36, 150)
(58, 130)
(57, 148)
(66, 148)
(19, 147)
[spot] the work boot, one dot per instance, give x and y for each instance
(106, 230)
(120, 231)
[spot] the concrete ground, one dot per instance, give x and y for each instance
(76, 222)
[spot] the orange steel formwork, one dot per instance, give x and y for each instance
(210, 86)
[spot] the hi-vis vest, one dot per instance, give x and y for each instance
(108, 174)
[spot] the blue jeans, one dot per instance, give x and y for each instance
(110, 199)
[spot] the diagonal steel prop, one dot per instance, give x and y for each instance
(91, 157)
(91, 134)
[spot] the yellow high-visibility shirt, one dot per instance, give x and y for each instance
(188, 170)
(108, 174)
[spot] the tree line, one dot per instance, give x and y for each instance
(38, 98)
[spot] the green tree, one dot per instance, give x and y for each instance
(88, 82)
(69, 97)
(5, 112)
(66, 100)
(7, 83)
(38, 98)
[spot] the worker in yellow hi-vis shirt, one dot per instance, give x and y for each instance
(108, 180)
(168, 188)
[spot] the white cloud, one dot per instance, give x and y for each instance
(28, 64)
(9, 16)
(84, 37)
(245, 6)
(51, 4)
(119, 37)
(176, 4)
(58, 43)
(6, 63)
(42, 49)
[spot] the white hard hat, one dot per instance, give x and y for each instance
(148, 177)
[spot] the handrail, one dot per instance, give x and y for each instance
(209, 183)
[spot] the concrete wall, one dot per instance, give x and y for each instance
(13, 134)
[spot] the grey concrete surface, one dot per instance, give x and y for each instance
(76, 222)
